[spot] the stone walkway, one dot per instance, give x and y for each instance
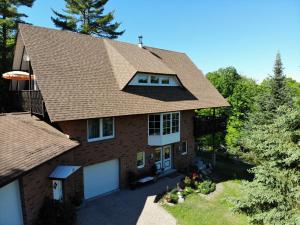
(154, 214)
(129, 207)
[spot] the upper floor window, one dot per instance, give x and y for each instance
(165, 80)
(154, 80)
(154, 124)
(100, 129)
(166, 122)
(142, 79)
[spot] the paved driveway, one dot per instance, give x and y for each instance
(129, 207)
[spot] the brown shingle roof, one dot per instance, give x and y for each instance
(84, 77)
(26, 142)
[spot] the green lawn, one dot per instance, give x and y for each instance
(197, 210)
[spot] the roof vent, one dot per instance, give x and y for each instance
(140, 41)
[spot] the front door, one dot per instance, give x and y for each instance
(167, 157)
(163, 158)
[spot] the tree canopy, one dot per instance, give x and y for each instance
(273, 196)
(9, 18)
(87, 17)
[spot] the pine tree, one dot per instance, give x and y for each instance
(9, 18)
(272, 198)
(86, 16)
(278, 85)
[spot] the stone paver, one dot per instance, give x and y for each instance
(129, 207)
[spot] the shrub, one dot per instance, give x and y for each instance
(174, 198)
(187, 181)
(206, 187)
(56, 213)
(188, 190)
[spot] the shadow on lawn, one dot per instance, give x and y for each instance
(227, 168)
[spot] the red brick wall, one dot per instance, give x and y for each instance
(131, 136)
(36, 185)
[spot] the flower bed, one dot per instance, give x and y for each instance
(189, 185)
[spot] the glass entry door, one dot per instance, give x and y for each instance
(163, 158)
(167, 157)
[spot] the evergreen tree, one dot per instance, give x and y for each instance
(9, 18)
(272, 198)
(86, 16)
(279, 91)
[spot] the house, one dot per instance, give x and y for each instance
(116, 107)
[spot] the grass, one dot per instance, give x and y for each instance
(197, 210)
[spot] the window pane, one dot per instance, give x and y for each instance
(157, 155)
(154, 79)
(93, 128)
(166, 124)
(165, 80)
(108, 126)
(154, 124)
(184, 147)
(140, 159)
(143, 79)
(175, 122)
(167, 152)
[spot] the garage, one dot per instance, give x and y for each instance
(10, 204)
(101, 178)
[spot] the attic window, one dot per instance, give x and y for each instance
(165, 80)
(154, 80)
(143, 79)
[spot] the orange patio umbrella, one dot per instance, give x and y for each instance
(17, 75)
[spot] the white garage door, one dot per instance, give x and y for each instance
(101, 178)
(10, 205)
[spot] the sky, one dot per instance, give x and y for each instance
(213, 33)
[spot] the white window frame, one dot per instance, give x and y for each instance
(154, 114)
(186, 148)
(146, 76)
(161, 123)
(143, 165)
(171, 125)
(100, 138)
(173, 80)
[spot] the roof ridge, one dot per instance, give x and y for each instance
(94, 37)
(167, 50)
(106, 44)
(62, 31)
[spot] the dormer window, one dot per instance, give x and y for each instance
(165, 80)
(142, 79)
(154, 80)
